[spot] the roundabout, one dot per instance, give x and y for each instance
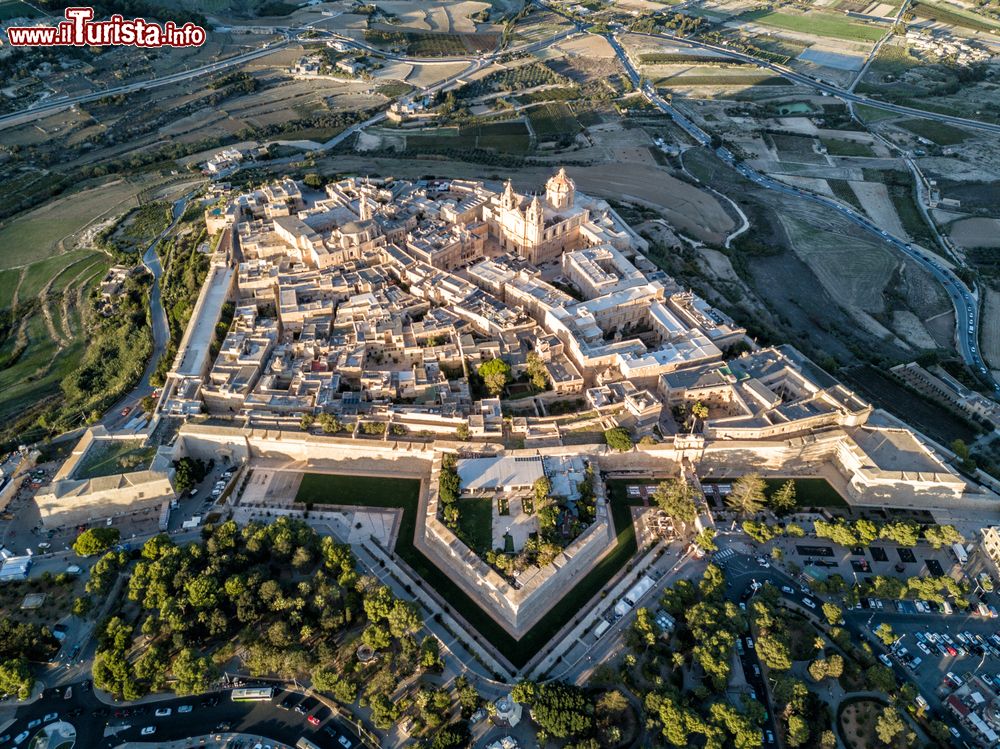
(59, 735)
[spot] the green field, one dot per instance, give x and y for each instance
(32, 361)
(838, 147)
(941, 133)
(370, 491)
(816, 24)
(721, 78)
(553, 120)
(809, 492)
(502, 137)
(36, 235)
(475, 524)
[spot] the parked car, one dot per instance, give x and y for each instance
(184, 709)
(163, 712)
(148, 731)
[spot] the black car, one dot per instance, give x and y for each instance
(306, 705)
(290, 701)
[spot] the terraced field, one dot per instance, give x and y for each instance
(42, 326)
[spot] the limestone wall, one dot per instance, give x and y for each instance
(516, 609)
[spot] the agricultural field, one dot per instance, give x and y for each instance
(553, 120)
(58, 224)
(46, 335)
(815, 24)
(939, 132)
(502, 137)
(949, 14)
(843, 147)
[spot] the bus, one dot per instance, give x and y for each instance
(304, 743)
(259, 694)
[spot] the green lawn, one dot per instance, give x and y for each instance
(475, 524)
(360, 491)
(810, 492)
(941, 133)
(816, 24)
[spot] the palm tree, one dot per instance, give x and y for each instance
(747, 497)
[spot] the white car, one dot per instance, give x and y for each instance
(163, 712)
(184, 709)
(148, 731)
(20, 737)
(808, 602)
(344, 742)
(50, 717)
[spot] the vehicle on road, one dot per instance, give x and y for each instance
(313, 720)
(49, 717)
(20, 737)
(184, 709)
(253, 694)
(127, 410)
(148, 731)
(808, 602)
(163, 712)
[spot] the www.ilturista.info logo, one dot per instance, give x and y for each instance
(80, 30)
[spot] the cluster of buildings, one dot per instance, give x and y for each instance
(375, 299)
(931, 47)
(976, 703)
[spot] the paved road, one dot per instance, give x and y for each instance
(50, 106)
(161, 329)
(962, 298)
(258, 718)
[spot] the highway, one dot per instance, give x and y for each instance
(825, 87)
(51, 106)
(962, 298)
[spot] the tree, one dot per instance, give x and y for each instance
(943, 535)
(699, 410)
(832, 612)
(95, 540)
(329, 423)
(306, 422)
(495, 375)
(774, 652)
(541, 489)
(706, 540)
(747, 497)
(16, 678)
(403, 619)
(454, 736)
(561, 710)
(676, 498)
(884, 632)
(462, 431)
(642, 634)
(879, 678)
(783, 499)
(618, 439)
(889, 724)
(193, 672)
(537, 373)
(187, 473)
